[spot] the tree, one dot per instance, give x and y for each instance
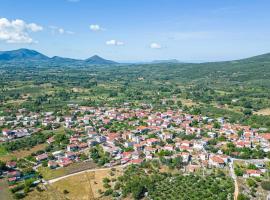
(241, 196)
(217, 125)
(266, 185)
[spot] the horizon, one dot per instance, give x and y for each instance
(136, 62)
(189, 31)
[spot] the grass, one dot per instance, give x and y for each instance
(49, 174)
(81, 186)
(265, 111)
(20, 154)
(78, 187)
(3, 151)
(97, 181)
(4, 192)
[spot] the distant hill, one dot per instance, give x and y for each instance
(165, 61)
(97, 60)
(21, 54)
(261, 58)
(62, 59)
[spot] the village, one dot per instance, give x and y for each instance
(121, 136)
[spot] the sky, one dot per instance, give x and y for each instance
(138, 30)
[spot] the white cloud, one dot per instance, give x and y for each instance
(96, 27)
(155, 46)
(59, 30)
(114, 43)
(17, 31)
(34, 27)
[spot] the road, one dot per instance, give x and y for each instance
(234, 177)
(236, 191)
(81, 172)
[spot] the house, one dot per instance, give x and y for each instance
(152, 141)
(11, 164)
(52, 164)
(92, 134)
(16, 174)
(112, 137)
(83, 145)
(138, 147)
(185, 157)
(41, 157)
(186, 143)
(50, 140)
(193, 168)
(124, 161)
(252, 173)
(128, 144)
(149, 156)
(168, 147)
(136, 161)
(126, 154)
(149, 150)
(70, 155)
(216, 161)
(58, 154)
(64, 162)
(72, 147)
(5, 132)
(203, 156)
(101, 139)
(199, 145)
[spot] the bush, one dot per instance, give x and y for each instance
(266, 185)
(251, 182)
(242, 197)
(19, 195)
(108, 192)
(65, 192)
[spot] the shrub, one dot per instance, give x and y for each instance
(108, 192)
(65, 192)
(266, 185)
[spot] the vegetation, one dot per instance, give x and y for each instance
(139, 181)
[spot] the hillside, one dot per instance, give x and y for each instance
(22, 54)
(27, 55)
(97, 60)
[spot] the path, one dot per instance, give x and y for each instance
(81, 172)
(234, 177)
(4, 191)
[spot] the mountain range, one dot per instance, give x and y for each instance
(32, 55)
(28, 55)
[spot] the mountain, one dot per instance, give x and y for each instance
(62, 59)
(21, 54)
(25, 55)
(259, 58)
(165, 61)
(97, 60)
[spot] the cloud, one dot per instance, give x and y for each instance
(155, 46)
(17, 31)
(114, 43)
(60, 31)
(96, 27)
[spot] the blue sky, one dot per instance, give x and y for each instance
(138, 30)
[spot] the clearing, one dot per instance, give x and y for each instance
(82, 186)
